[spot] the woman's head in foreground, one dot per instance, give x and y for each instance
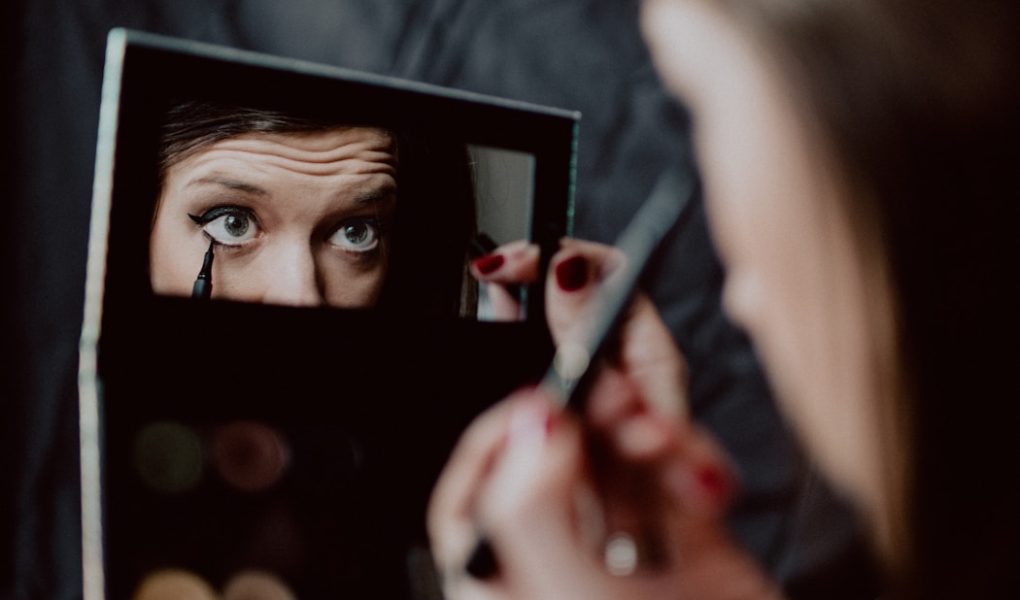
(854, 173)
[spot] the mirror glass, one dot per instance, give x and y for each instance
(259, 205)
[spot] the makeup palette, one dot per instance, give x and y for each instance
(240, 449)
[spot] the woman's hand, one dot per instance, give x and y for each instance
(646, 352)
(626, 504)
(625, 501)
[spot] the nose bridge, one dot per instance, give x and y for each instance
(293, 274)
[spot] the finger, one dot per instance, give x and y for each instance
(625, 442)
(698, 474)
(630, 435)
(574, 272)
(526, 509)
(501, 305)
(687, 460)
(534, 465)
(449, 517)
(665, 485)
(611, 398)
(646, 350)
(513, 263)
(528, 504)
(649, 355)
(616, 410)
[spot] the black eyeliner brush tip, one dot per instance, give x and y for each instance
(202, 288)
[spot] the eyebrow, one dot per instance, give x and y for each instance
(232, 184)
(377, 196)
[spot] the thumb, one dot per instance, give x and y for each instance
(700, 484)
(527, 507)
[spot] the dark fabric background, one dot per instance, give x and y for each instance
(577, 54)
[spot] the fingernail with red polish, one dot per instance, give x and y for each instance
(552, 420)
(489, 263)
(713, 482)
(572, 274)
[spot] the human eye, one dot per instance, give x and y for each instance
(228, 225)
(357, 235)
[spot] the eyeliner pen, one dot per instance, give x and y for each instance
(202, 288)
(571, 371)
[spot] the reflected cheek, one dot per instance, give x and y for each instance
(352, 281)
(175, 258)
(247, 275)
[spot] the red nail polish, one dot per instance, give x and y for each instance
(572, 274)
(488, 264)
(551, 421)
(713, 482)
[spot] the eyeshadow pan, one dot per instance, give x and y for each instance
(250, 456)
(168, 457)
(174, 584)
(257, 585)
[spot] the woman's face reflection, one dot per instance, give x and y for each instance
(297, 218)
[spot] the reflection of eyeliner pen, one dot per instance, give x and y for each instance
(482, 245)
(202, 288)
(572, 368)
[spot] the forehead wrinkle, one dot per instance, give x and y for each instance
(233, 164)
(318, 146)
(332, 152)
(360, 188)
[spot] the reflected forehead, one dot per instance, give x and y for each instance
(335, 151)
(315, 146)
(323, 140)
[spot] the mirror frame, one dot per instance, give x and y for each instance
(127, 327)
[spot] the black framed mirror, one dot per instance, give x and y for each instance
(285, 428)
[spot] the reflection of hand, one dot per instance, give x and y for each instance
(509, 265)
(553, 492)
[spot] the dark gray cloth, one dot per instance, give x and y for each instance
(577, 54)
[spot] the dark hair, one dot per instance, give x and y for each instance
(435, 216)
(917, 102)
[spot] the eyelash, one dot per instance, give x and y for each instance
(222, 210)
(211, 214)
(380, 228)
